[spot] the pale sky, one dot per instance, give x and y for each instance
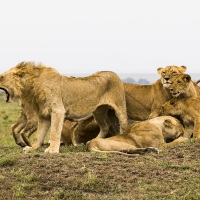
(85, 36)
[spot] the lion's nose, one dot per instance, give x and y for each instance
(166, 79)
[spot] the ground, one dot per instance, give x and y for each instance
(76, 174)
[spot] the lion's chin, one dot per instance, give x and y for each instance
(7, 94)
(167, 85)
(176, 94)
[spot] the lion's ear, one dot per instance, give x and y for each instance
(173, 101)
(168, 123)
(187, 78)
(159, 70)
(182, 68)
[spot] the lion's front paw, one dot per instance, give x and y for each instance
(27, 149)
(51, 150)
(182, 139)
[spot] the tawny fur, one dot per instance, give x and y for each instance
(150, 133)
(187, 109)
(55, 97)
(183, 86)
(141, 100)
(138, 107)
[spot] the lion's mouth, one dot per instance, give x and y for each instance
(175, 94)
(7, 94)
(167, 84)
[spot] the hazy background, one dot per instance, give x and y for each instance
(84, 36)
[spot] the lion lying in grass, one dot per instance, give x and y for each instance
(141, 100)
(187, 109)
(150, 133)
(55, 97)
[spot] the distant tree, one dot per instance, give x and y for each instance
(140, 81)
(143, 81)
(129, 80)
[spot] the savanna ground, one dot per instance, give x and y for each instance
(77, 174)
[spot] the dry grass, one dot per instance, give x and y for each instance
(78, 174)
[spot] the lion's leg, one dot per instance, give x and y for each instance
(101, 144)
(189, 128)
(122, 117)
(77, 129)
(57, 119)
(16, 131)
(101, 117)
(175, 142)
(43, 127)
(28, 131)
(196, 133)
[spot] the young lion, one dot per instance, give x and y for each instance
(150, 133)
(183, 86)
(187, 109)
(55, 97)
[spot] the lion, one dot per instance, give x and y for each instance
(187, 109)
(141, 100)
(55, 97)
(183, 86)
(142, 137)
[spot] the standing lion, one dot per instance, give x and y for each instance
(55, 97)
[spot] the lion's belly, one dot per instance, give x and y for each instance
(79, 109)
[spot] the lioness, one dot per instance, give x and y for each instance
(183, 86)
(187, 109)
(141, 100)
(55, 97)
(149, 133)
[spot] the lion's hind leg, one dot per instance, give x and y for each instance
(121, 114)
(101, 117)
(112, 145)
(27, 132)
(16, 131)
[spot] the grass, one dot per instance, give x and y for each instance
(76, 174)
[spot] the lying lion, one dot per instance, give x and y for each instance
(55, 97)
(187, 109)
(183, 86)
(149, 133)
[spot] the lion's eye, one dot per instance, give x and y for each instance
(174, 73)
(1, 78)
(163, 73)
(178, 82)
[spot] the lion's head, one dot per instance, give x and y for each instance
(20, 78)
(172, 128)
(169, 73)
(8, 84)
(180, 85)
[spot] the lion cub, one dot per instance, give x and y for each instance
(151, 133)
(187, 109)
(183, 86)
